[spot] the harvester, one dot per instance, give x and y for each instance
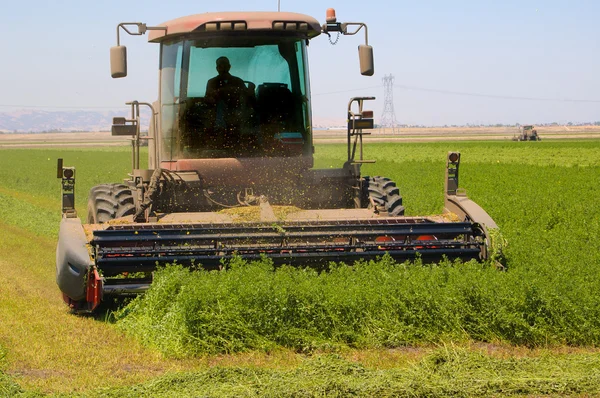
(527, 133)
(230, 168)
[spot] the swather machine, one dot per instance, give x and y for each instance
(230, 172)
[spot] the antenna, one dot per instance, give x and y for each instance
(388, 117)
(278, 5)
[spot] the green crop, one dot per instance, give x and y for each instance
(542, 195)
(30, 191)
(542, 198)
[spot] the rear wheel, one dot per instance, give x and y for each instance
(109, 201)
(384, 194)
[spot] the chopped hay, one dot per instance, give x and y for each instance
(252, 213)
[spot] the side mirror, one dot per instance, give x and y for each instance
(118, 61)
(120, 127)
(365, 54)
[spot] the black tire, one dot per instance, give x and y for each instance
(109, 201)
(384, 193)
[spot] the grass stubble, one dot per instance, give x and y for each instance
(447, 343)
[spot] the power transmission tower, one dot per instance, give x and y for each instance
(388, 117)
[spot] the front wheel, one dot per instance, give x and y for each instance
(109, 201)
(384, 194)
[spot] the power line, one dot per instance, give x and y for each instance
(508, 97)
(467, 94)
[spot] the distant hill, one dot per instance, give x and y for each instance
(37, 121)
(34, 121)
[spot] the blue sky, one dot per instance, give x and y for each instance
(56, 54)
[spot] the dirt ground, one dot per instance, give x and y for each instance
(409, 134)
(32, 140)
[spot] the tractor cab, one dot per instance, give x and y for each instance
(232, 85)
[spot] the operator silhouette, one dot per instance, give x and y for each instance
(229, 93)
(233, 106)
(224, 86)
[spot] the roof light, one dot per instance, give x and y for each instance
(330, 16)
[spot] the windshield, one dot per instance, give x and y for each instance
(248, 98)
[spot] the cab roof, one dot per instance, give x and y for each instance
(238, 21)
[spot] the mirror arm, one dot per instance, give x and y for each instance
(142, 29)
(359, 26)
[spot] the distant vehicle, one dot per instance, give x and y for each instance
(527, 133)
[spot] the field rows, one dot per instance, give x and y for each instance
(343, 332)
